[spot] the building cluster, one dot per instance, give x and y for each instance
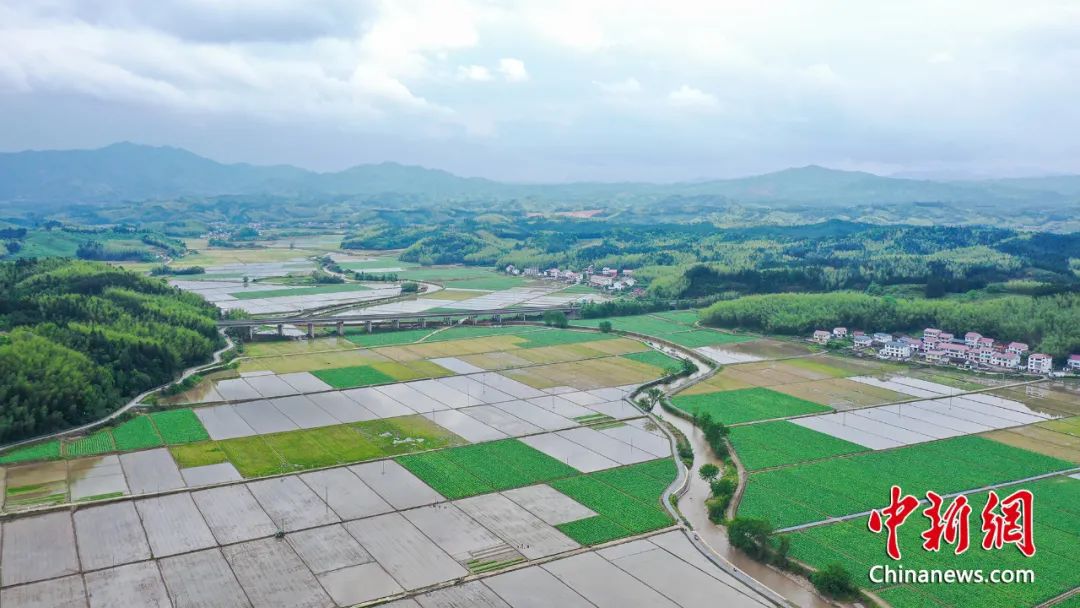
(941, 347)
(611, 279)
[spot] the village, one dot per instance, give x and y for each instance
(609, 279)
(971, 351)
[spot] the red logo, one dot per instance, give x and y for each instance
(1005, 521)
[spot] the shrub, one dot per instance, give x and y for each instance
(556, 318)
(834, 581)
(605, 326)
(750, 535)
(709, 471)
(410, 287)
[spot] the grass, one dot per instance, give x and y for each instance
(136, 434)
(840, 486)
(704, 337)
(1056, 562)
(252, 456)
(746, 405)
(198, 454)
(49, 450)
(100, 442)
(559, 337)
(298, 291)
(405, 434)
(387, 338)
(772, 444)
(656, 359)
(463, 332)
(626, 501)
(179, 426)
(494, 283)
(352, 377)
(486, 467)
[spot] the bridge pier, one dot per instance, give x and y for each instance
(369, 324)
(341, 328)
(423, 322)
(250, 333)
(498, 319)
(310, 330)
(397, 323)
(280, 329)
(446, 321)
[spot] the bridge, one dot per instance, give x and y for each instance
(395, 320)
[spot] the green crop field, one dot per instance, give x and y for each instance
(656, 359)
(704, 337)
(642, 324)
(841, 486)
(179, 426)
(625, 499)
(1056, 562)
(100, 442)
(683, 317)
(352, 377)
(255, 294)
(387, 338)
(746, 405)
(558, 337)
(198, 454)
(485, 467)
(48, 450)
(492, 283)
(464, 332)
(136, 434)
(772, 444)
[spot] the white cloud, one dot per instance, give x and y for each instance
(690, 97)
(620, 87)
(476, 73)
(513, 70)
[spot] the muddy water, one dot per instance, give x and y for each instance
(692, 506)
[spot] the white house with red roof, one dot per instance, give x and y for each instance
(821, 336)
(1006, 360)
(971, 338)
(1039, 363)
(1016, 347)
(1073, 364)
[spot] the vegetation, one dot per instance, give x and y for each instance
(772, 444)
(83, 337)
(556, 318)
(1050, 324)
(746, 405)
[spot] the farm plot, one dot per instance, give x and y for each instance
(840, 393)
(352, 377)
(745, 405)
(519, 528)
(298, 291)
(1058, 438)
(586, 375)
(769, 349)
(1055, 563)
(482, 468)
(306, 362)
(860, 482)
(772, 444)
(657, 359)
(619, 512)
(919, 421)
(1052, 398)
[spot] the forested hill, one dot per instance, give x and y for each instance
(77, 339)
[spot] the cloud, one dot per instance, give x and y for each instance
(620, 87)
(513, 70)
(690, 97)
(476, 73)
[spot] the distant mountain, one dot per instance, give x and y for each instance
(132, 172)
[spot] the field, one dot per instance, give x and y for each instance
(745, 405)
(1056, 562)
(656, 359)
(1056, 438)
(673, 327)
(486, 467)
(840, 486)
(772, 444)
(386, 338)
(586, 375)
(379, 373)
(298, 291)
(625, 499)
(275, 453)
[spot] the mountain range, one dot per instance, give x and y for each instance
(126, 172)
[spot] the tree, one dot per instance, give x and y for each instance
(750, 535)
(605, 327)
(410, 287)
(709, 471)
(834, 581)
(246, 281)
(556, 318)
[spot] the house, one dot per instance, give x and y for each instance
(863, 341)
(953, 350)
(821, 336)
(881, 338)
(895, 349)
(982, 356)
(971, 338)
(985, 342)
(945, 337)
(610, 272)
(839, 332)
(552, 273)
(1006, 360)
(931, 332)
(627, 272)
(599, 280)
(1038, 363)
(915, 343)
(532, 272)
(937, 356)
(510, 269)
(858, 332)
(1017, 347)
(1073, 364)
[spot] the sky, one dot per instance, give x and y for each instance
(555, 90)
